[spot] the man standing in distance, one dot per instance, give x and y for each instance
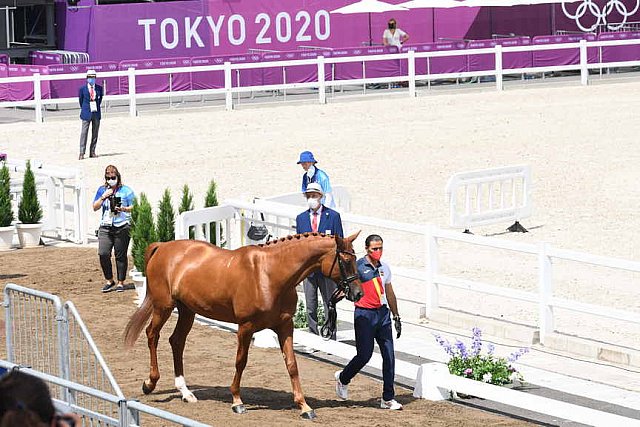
(313, 174)
(372, 322)
(90, 98)
(321, 219)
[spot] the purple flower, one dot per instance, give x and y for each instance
(490, 349)
(468, 372)
(445, 345)
(476, 341)
(462, 349)
(517, 354)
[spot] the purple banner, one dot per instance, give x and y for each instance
(4, 87)
(24, 91)
(306, 73)
(215, 79)
(485, 62)
(160, 82)
(548, 58)
(450, 64)
(620, 53)
(69, 88)
(37, 57)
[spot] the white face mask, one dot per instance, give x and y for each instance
(313, 203)
(112, 182)
(311, 171)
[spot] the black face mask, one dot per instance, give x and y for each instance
(392, 26)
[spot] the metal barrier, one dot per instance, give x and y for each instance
(490, 196)
(62, 195)
(51, 339)
(128, 413)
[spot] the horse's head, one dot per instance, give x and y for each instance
(342, 268)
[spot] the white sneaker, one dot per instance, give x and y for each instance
(390, 404)
(341, 389)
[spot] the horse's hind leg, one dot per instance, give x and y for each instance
(177, 341)
(159, 318)
(245, 332)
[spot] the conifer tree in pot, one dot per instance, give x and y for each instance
(6, 212)
(29, 211)
(143, 233)
(166, 219)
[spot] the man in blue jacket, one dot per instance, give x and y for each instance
(321, 219)
(90, 98)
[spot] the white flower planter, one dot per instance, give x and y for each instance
(140, 283)
(6, 237)
(29, 235)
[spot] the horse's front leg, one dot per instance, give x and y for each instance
(245, 332)
(285, 337)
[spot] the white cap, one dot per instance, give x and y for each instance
(91, 73)
(314, 187)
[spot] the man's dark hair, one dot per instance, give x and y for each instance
(24, 400)
(372, 238)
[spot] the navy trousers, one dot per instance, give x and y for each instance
(370, 325)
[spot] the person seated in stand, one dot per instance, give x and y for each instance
(25, 401)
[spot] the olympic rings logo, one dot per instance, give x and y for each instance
(600, 14)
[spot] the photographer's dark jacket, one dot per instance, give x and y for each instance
(126, 199)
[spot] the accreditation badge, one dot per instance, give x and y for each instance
(93, 105)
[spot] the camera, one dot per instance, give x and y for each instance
(114, 202)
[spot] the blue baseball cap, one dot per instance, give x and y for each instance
(307, 156)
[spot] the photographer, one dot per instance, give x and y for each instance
(116, 201)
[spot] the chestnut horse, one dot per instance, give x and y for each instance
(253, 286)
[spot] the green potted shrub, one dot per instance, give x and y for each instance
(211, 200)
(143, 233)
(29, 212)
(166, 219)
(186, 204)
(7, 228)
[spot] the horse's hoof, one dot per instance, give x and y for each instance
(239, 409)
(309, 415)
(146, 389)
(189, 398)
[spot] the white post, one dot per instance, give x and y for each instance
(37, 97)
(427, 382)
(227, 86)
(431, 263)
(322, 95)
(499, 67)
(412, 73)
(584, 71)
(545, 286)
(131, 75)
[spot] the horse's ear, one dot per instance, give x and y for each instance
(353, 237)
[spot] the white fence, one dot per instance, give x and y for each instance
(489, 196)
(321, 84)
(339, 193)
(62, 196)
(281, 219)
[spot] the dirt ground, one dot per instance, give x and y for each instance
(74, 274)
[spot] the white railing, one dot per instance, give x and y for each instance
(322, 84)
(339, 194)
(62, 195)
(489, 196)
(281, 219)
(434, 382)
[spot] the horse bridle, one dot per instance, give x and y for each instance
(344, 287)
(345, 281)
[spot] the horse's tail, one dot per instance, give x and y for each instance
(142, 314)
(137, 322)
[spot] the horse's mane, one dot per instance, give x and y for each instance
(296, 237)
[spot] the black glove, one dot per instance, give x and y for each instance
(398, 325)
